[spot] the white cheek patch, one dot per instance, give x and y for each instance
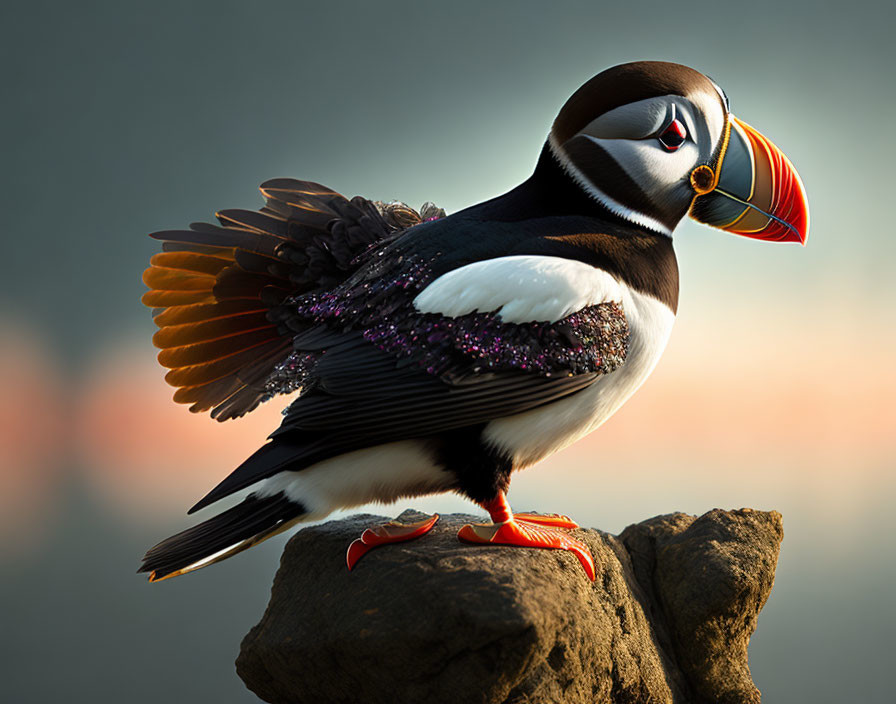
(712, 111)
(521, 289)
(632, 121)
(650, 165)
(589, 187)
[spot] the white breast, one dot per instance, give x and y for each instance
(521, 289)
(380, 473)
(531, 436)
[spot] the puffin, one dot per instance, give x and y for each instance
(431, 353)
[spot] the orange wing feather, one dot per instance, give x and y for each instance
(215, 288)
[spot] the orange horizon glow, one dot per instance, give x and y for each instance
(766, 388)
(705, 403)
(142, 450)
(33, 434)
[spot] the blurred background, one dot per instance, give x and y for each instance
(120, 119)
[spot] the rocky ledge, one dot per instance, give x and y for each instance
(667, 619)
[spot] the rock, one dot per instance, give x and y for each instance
(667, 619)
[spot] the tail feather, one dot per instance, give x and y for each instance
(221, 292)
(215, 288)
(254, 520)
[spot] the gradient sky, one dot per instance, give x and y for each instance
(122, 118)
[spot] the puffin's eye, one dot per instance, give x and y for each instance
(673, 136)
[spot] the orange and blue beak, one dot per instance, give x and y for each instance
(754, 191)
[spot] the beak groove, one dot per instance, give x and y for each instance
(795, 233)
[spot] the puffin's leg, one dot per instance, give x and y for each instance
(522, 531)
(386, 533)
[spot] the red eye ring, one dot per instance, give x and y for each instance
(673, 136)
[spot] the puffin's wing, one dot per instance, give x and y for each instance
(360, 392)
(217, 290)
(359, 395)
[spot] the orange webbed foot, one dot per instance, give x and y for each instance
(527, 530)
(528, 535)
(386, 533)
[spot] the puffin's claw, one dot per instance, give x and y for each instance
(385, 533)
(528, 534)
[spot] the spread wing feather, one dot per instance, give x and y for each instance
(217, 290)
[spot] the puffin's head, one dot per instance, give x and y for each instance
(652, 141)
